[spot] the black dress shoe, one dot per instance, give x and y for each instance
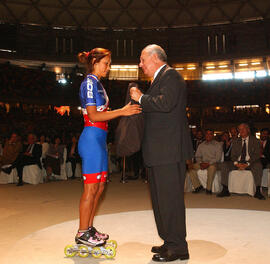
(157, 249)
(7, 170)
(198, 189)
(259, 196)
(208, 192)
(223, 193)
(19, 184)
(169, 256)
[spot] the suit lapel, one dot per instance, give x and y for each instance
(157, 78)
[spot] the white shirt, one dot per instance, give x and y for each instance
(155, 75)
(247, 154)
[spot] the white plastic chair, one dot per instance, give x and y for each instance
(32, 174)
(78, 170)
(8, 178)
(241, 181)
(265, 180)
(188, 183)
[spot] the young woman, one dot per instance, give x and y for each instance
(92, 142)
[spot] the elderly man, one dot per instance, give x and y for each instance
(166, 146)
(207, 156)
(245, 155)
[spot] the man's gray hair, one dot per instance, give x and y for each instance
(155, 49)
(245, 124)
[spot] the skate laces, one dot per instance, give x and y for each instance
(96, 232)
(88, 235)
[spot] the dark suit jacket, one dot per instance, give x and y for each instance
(253, 149)
(129, 132)
(166, 135)
(36, 153)
(266, 150)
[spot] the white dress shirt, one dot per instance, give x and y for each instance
(247, 154)
(155, 75)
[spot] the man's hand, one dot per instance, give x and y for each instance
(241, 166)
(135, 94)
(204, 165)
(189, 164)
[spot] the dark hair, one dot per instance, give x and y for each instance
(92, 57)
(209, 129)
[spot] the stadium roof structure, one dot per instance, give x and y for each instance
(131, 14)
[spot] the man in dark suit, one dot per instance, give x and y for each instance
(265, 148)
(166, 146)
(31, 154)
(245, 155)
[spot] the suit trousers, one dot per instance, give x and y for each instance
(22, 161)
(167, 193)
(255, 168)
(211, 172)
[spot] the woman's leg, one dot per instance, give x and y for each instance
(101, 186)
(87, 204)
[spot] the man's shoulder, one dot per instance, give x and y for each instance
(254, 139)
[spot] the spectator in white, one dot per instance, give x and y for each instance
(207, 156)
(265, 148)
(45, 148)
(245, 155)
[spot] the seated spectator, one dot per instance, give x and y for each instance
(265, 148)
(234, 133)
(11, 150)
(45, 147)
(245, 155)
(72, 154)
(207, 156)
(193, 133)
(54, 158)
(31, 153)
(199, 139)
(227, 145)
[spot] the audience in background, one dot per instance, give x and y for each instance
(11, 150)
(198, 139)
(245, 155)
(31, 154)
(207, 155)
(265, 148)
(54, 158)
(72, 154)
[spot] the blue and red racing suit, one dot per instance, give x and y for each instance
(92, 145)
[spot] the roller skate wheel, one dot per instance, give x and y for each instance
(96, 252)
(110, 252)
(112, 243)
(69, 251)
(83, 251)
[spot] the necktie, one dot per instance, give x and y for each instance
(244, 152)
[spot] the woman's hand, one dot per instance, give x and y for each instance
(130, 109)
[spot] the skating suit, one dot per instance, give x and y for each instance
(92, 145)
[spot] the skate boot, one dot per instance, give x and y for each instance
(99, 235)
(89, 238)
(87, 243)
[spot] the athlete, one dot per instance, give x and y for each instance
(92, 143)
